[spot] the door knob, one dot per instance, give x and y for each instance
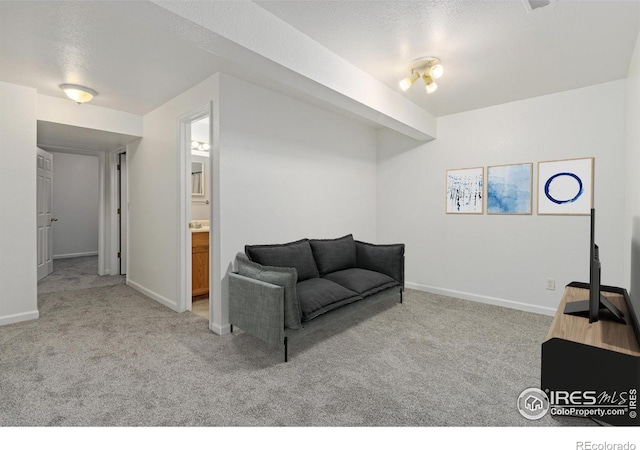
(54, 219)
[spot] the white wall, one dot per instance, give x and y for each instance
(18, 277)
(632, 190)
(154, 197)
(287, 170)
(290, 170)
(496, 258)
(76, 202)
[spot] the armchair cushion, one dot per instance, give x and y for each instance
(280, 276)
(332, 255)
(296, 254)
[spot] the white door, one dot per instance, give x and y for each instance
(45, 175)
(124, 209)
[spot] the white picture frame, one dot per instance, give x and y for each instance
(565, 187)
(465, 191)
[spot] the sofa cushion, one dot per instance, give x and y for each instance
(319, 295)
(332, 255)
(364, 282)
(294, 254)
(280, 276)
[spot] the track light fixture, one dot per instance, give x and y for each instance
(428, 68)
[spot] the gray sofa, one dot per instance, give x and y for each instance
(279, 291)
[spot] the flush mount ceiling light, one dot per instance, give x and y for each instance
(78, 94)
(428, 68)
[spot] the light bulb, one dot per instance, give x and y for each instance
(205, 147)
(430, 85)
(407, 82)
(436, 71)
(194, 144)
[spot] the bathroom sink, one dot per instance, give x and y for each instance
(199, 226)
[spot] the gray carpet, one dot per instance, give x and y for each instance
(110, 356)
(76, 273)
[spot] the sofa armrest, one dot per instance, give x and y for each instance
(387, 259)
(280, 276)
(257, 308)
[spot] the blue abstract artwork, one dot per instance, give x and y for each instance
(565, 186)
(509, 189)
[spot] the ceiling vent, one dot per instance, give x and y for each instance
(530, 5)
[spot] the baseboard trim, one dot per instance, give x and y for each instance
(483, 299)
(220, 329)
(22, 317)
(75, 255)
(154, 295)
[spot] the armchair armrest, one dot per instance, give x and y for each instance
(257, 308)
(387, 259)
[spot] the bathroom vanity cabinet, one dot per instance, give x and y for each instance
(199, 263)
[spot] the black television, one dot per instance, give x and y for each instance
(596, 304)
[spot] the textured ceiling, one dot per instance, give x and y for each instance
(493, 52)
(121, 49)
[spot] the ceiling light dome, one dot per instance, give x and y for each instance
(78, 94)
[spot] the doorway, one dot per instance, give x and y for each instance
(196, 146)
(200, 215)
(122, 213)
(71, 200)
(45, 219)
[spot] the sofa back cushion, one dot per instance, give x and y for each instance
(280, 276)
(294, 254)
(386, 258)
(332, 255)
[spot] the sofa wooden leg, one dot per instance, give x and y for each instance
(285, 350)
(231, 326)
(400, 296)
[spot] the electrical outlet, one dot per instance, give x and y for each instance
(551, 284)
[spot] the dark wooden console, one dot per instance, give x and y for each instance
(589, 366)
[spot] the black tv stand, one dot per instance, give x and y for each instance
(603, 356)
(581, 308)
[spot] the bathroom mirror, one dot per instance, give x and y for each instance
(197, 178)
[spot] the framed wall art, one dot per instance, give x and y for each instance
(509, 189)
(465, 191)
(565, 186)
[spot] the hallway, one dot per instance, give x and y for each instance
(71, 274)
